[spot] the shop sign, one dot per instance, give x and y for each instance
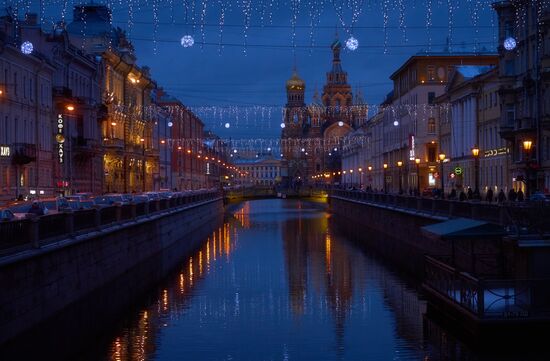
(458, 171)
(60, 139)
(5, 151)
(495, 152)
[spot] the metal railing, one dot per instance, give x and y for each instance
(33, 232)
(530, 215)
(487, 298)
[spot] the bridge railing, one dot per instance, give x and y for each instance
(33, 232)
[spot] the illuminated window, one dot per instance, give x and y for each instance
(431, 72)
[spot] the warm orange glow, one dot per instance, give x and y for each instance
(142, 140)
(179, 147)
(527, 144)
(442, 157)
(70, 107)
(417, 160)
(162, 141)
(400, 164)
(475, 151)
(360, 169)
(188, 151)
(369, 168)
(385, 165)
(113, 123)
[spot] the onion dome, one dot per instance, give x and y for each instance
(295, 82)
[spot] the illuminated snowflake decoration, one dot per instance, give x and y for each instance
(227, 125)
(170, 124)
(27, 47)
(352, 43)
(510, 43)
(340, 123)
(187, 41)
(395, 123)
(283, 125)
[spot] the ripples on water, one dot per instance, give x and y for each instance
(277, 282)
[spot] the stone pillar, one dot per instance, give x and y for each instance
(34, 237)
(118, 213)
(69, 223)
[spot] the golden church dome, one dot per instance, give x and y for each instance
(295, 82)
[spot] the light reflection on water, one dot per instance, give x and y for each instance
(276, 282)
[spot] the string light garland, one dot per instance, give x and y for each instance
(260, 14)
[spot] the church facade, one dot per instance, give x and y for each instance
(312, 134)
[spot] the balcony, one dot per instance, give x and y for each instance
(84, 148)
(509, 129)
(23, 153)
(113, 143)
(152, 152)
(62, 92)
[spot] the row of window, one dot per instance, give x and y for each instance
(21, 84)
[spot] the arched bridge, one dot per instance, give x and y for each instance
(239, 194)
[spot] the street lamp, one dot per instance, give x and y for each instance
(475, 153)
(399, 165)
(441, 159)
(417, 162)
(385, 183)
(142, 140)
(360, 178)
(527, 147)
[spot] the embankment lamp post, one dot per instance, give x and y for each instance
(417, 162)
(360, 178)
(385, 181)
(527, 147)
(399, 166)
(370, 176)
(441, 176)
(475, 153)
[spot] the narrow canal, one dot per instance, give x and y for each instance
(276, 282)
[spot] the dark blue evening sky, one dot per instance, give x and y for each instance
(209, 75)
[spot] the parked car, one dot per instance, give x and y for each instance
(539, 196)
(109, 200)
(24, 209)
(140, 199)
(83, 195)
(55, 205)
(77, 205)
(152, 195)
(6, 215)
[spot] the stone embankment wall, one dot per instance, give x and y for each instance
(37, 283)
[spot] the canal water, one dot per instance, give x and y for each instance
(276, 282)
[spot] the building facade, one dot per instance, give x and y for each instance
(131, 157)
(27, 118)
(524, 92)
(469, 124)
(405, 134)
(261, 171)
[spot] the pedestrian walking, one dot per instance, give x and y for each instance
(520, 196)
(501, 196)
(512, 195)
(489, 195)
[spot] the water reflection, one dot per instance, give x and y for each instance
(276, 282)
(138, 340)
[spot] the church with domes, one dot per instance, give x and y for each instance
(312, 134)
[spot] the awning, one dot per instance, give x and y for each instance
(462, 228)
